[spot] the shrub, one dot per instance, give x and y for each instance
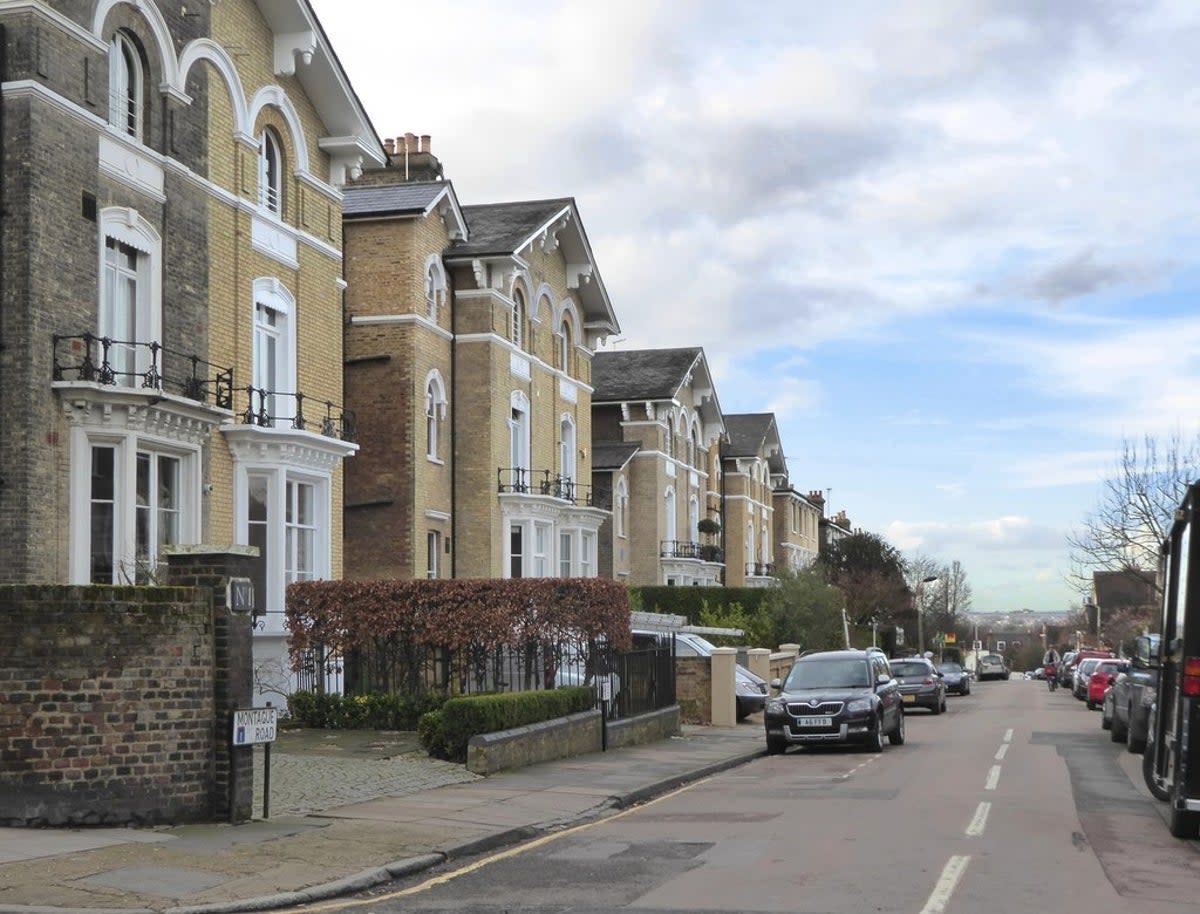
(371, 711)
(446, 732)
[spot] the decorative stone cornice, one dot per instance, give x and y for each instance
(152, 413)
(286, 447)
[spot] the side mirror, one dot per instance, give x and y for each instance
(883, 679)
(777, 684)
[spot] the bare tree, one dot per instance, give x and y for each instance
(1135, 509)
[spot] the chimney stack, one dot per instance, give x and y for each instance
(410, 143)
(389, 146)
(426, 143)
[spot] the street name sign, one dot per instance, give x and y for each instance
(254, 725)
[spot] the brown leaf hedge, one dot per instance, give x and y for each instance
(453, 614)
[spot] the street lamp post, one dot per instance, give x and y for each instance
(921, 611)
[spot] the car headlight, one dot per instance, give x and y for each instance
(859, 704)
(776, 706)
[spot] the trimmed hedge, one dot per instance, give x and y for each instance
(372, 711)
(445, 732)
(689, 601)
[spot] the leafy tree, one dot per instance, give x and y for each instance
(870, 573)
(803, 609)
(1135, 508)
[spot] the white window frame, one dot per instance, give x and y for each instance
(516, 327)
(566, 554)
(693, 519)
(433, 552)
(518, 433)
(300, 534)
(435, 415)
(621, 515)
(671, 526)
(564, 347)
(126, 227)
(126, 114)
(516, 559)
(435, 287)
(270, 172)
(540, 560)
(750, 543)
(277, 479)
(269, 293)
(126, 446)
(587, 554)
(566, 448)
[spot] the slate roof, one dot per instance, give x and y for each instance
(502, 228)
(745, 433)
(612, 455)
(391, 199)
(640, 374)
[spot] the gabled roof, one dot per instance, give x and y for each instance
(641, 374)
(297, 31)
(508, 229)
(612, 455)
(413, 199)
(751, 434)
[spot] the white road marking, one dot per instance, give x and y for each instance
(1002, 751)
(993, 778)
(979, 820)
(1008, 735)
(955, 867)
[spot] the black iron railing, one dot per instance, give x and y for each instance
(676, 549)
(286, 409)
(140, 365)
(759, 570)
(542, 482)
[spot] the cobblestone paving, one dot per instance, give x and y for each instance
(303, 784)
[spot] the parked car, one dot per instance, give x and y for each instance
(1079, 680)
(1065, 668)
(955, 678)
(1134, 694)
(1105, 672)
(992, 666)
(921, 685)
(1106, 705)
(1072, 668)
(749, 689)
(836, 697)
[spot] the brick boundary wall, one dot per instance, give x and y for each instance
(114, 700)
(693, 689)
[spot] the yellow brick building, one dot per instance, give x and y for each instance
(472, 331)
(190, 298)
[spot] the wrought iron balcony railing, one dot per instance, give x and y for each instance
(139, 365)
(542, 482)
(285, 409)
(679, 549)
(759, 569)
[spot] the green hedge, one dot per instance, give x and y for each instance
(689, 601)
(372, 711)
(445, 732)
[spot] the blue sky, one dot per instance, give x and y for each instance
(952, 245)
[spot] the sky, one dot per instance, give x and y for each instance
(953, 246)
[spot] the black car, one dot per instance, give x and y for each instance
(836, 697)
(921, 685)
(955, 678)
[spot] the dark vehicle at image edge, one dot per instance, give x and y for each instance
(1171, 762)
(1134, 694)
(836, 697)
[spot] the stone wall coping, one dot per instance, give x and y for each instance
(210, 549)
(724, 651)
(759, 652)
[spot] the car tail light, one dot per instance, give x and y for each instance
(1191, 677)
(927, 682)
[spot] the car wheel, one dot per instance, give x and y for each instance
(1119, 731)
(1184, 823)
(943, 705)
(1135, 744)
(1105, 719)
(1091, 705)
(876, 743)
(896, 737)
(776, 745)
(936, 708)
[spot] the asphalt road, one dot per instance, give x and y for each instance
(1013, 801)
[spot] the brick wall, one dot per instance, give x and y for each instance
(112, 705)
(693, 689)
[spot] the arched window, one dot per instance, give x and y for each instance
(670, 527)
(518, 440)
(435, 289)
(566, 445)
(564, 348)
(270, 172)
(435, 414)
(516, 331)
(273, 353)
(130, 306)
(764, 542)
(693, 520)
(749, 542)
(620, 514)
(669, 431)
(125, 104)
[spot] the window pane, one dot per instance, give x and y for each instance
(103, 515)
(169, 508)
(515, 551)
(142, 513)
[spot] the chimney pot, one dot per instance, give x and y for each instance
(425, 143)
(410, 142)
(389, 146)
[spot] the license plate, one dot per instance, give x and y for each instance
(909, 699)
(812, 721)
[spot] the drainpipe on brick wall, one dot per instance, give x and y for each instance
(453, 428)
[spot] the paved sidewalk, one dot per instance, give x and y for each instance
(341, 836)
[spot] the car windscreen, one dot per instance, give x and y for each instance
(1087, 666)
(949, 668)
(827, 674)
(900, 668)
